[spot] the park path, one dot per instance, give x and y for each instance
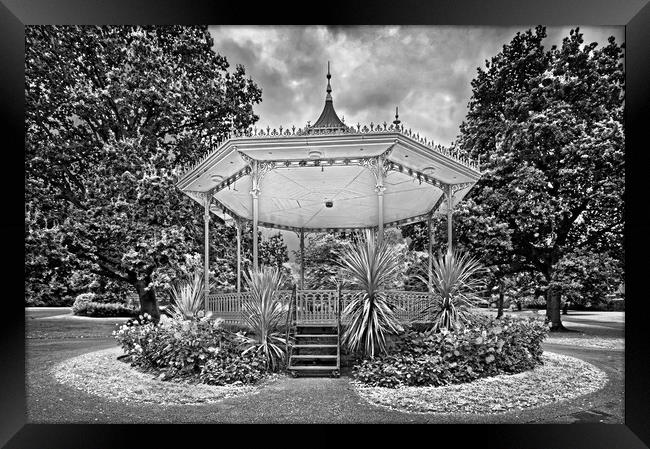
(285, 400)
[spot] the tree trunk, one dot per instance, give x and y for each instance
(500, 300)
(148, 301)
(553, 299)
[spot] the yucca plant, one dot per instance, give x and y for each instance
(264, 314)
(455, 283)
(369, 316)
(187, 297)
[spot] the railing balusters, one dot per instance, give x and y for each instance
(317, 305)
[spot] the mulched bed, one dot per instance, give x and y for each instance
(100, 373)
(560, 378)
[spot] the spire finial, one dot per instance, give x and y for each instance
(396, 121)
(329, 87)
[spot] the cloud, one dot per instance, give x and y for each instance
(425, 70)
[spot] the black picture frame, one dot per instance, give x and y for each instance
(635, 15)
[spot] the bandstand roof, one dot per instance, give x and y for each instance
(303, 168)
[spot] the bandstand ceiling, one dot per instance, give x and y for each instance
(307, 171)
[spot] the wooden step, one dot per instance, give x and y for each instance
(314, 346)
(313, 368)
(316, 335)
(330, 325)
(313, 356)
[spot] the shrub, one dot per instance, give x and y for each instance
(101, 309)
(455, 282)
(187, 297)
(369, 315)
(535, 303)
(81, 301)
(227, 367)
(197, 349)
(485, 348)
(264, 314)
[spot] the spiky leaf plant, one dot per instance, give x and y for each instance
(455, 283)
(369, 315)
(264, 314)
(187, 297)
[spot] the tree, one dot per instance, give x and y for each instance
(111, 113)
(273, 251)
(548, 127)
(321, 260)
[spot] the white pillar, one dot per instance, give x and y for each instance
(238, 227)
(379, 188)
(430, 243)
(450, 202)
(302, 259)
(255, 193)
(206, 249)
(256, 214)
(258, 169)
(380, 213)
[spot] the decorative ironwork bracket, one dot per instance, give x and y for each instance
(379, 166)
(463, 185)
(259, 169)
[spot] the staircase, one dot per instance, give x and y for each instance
(316, 351)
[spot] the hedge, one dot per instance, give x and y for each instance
(86, 305)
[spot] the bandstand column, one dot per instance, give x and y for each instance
(302, 259)
(255, 193)
(449, 218)
(206, 248)
(380, 212)
(238, 228)
(379, 189)
(430, 250)
(258, 170)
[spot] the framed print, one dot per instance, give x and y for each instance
(350, 214)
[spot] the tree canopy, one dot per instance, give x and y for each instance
(548, 127)
(111, 112)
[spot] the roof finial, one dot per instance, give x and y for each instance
(396, 121)
(329, 87)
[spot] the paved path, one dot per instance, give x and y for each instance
(286, 400)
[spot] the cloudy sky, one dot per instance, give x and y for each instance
(425, 70)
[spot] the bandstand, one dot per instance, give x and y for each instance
(324, 177)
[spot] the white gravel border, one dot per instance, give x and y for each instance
(560, 378)
(100, 373)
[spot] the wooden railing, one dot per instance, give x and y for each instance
(318, 305)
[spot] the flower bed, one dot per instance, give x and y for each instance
(486, 348)
(99, 374)
(562, 377)
(197, 350)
